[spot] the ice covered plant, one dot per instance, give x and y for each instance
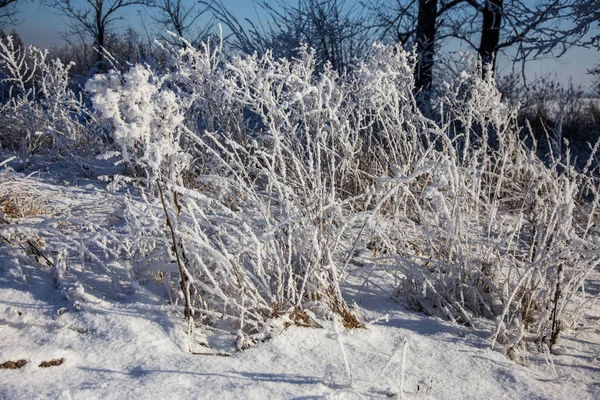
(296, 171)
(280, 201)
(488, 228)
(38, 108)
(147, 121)
(262, 234)
(198, 77)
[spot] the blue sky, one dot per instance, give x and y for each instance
(42, 26)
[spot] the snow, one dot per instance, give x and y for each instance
(120, 338)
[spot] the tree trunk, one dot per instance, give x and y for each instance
(425, 38)
(490, 35)
(99, 40)
(100, 45)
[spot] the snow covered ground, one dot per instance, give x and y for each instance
(118, 338)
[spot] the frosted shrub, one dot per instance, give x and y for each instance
(489, 230)
(262, 238)
(271, 230)
(38, 108)
(384, 110)
(198, 76)
(295, 172)
(256, 230)
(147, 120)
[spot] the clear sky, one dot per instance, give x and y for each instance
(42, 26)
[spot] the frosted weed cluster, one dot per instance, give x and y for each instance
(38, 108)
(275, 177)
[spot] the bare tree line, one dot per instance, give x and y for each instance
(341, 31)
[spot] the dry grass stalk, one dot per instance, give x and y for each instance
(51, 363)
(13, 364)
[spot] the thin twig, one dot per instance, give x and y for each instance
(188, 312)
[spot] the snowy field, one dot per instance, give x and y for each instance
(215, 226)
(115, 335)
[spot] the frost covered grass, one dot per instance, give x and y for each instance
(20, 200)
(39, 110)
(277, 179)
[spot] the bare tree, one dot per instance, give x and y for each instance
(8, 10)
(181, 17)
(584, 15)
(581, 16)
(94, 19)
(532, 28)
(333, 28)
(425, 40)
(244, 40)
(420, 23)
(394, 21)
(492, 12)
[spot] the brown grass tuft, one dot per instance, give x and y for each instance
(301, 318)
(13, 364)
(339, 307)
(51, 363)
(19, 199)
